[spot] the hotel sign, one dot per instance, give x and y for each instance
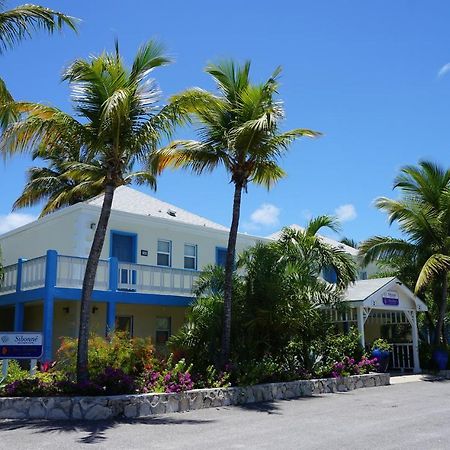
(390, 298)
(21, 345)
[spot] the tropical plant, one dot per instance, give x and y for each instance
(350, 242)
(278, 299)
(120, 126)
(56, 184)
(239, 129)
(423, 215)
(18, 24)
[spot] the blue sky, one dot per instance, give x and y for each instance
(371, 76)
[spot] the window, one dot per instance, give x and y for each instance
(190, 256)
(163, 326)
(164, 255)
(125, 323)
(221, 256)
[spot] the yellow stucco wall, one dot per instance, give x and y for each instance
(71, 234)
(144, 319)
(149, 232)
(49, 233)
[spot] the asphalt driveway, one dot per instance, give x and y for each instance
(414, 415)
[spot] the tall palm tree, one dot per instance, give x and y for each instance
(18, 24)
(423, 215)
(55, 183)
(120, 126)
(239, 129)
(278, 298)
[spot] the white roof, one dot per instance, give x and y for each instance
(132, 201)
(363, 289)
(350, 250)
(370, 294)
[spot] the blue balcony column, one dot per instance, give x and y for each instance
(110, 317)
(113, 273)
(51, 267)
(18, 316)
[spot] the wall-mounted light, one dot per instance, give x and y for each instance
(94, 309)
(92, 226)
(66, 309)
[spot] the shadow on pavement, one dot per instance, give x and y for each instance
(272, 407)
(95, 430)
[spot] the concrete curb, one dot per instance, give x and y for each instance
(144, 405)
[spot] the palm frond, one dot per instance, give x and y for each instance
(18, 23)
(435, 266)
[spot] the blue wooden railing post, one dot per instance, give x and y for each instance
(51, 266)
(113, 273)
(19, 307)
(19, 274)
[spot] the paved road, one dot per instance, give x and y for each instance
(412, 415)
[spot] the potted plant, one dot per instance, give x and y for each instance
(381, 349)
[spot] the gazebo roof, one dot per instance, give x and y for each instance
(383, 293)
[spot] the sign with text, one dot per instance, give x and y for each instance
(21, 345)
(390, 298)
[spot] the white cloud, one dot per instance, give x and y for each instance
(266, 215)
(444, 70)
(345, 213)
(14, 220)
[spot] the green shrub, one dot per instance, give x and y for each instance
(15, 372)
(117, 351)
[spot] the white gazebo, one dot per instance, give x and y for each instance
(385, 307)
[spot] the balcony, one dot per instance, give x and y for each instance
(68, 272)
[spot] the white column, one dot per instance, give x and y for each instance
(360, 317)
(415, 339)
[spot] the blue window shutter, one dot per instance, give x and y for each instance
(221, 256)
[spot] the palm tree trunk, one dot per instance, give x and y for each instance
(229, 269)
(442, 312)
(88, 284)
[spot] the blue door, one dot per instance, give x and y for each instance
(124, 247)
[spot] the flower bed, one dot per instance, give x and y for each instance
(144, 405)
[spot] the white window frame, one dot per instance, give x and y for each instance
(169, 253)
(165, 330)
(195, 257)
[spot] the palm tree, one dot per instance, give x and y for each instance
(239, 129)
(120, 126)
(278, 298)
(56, 184)
(423, 215)
(18, 24)
(350, 242)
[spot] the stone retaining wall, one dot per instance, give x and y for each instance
(143, 405)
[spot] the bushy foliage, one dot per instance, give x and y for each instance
(278, 308)
(167, 377)
(117, 351)
(350, 366)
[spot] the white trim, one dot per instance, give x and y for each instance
(169, 253)
(195, 257)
